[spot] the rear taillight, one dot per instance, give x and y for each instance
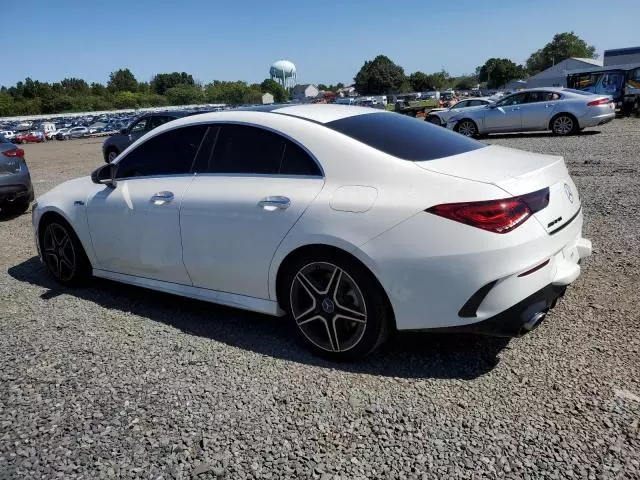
(498, 216)
(600, 101)
(18, 152)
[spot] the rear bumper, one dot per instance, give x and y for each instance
(12, 192)
(517, 320)
(596, 120)
(436, 282)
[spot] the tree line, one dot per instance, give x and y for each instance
(122, 90)
(382, 76)
(378, 76)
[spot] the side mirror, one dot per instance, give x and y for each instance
(105, 175)
(123, 131)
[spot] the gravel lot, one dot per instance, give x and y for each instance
(113, 381)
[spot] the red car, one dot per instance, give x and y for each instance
(31, 137)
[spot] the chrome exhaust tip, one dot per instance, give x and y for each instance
(11, 198)
(532, 322)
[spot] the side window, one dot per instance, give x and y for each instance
(155, 122)
(139, 126)
(245, 149)
(296, 161)
(170, 153)
(512, 100)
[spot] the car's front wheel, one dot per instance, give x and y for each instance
(337, 306)
(63, 254)
(111, 155)
(468, 128)
(434, 119)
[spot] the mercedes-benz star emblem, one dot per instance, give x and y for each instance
(328, 306)
(567, 190)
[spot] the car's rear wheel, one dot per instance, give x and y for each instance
(434, 119)
(564, 124)
(338, 308)
(468, 128)
(63, 254)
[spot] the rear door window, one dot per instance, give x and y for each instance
(244, 149)
(404, 137)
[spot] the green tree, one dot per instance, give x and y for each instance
(379, 76)
(7, 105)
(125, 100)
(98, 89)
(185, 95)
(274, 88)
(74, 86)
(465, 82)
(419, 82)
(564, 45)
(162, 82)
(122, 81)
(497, 72)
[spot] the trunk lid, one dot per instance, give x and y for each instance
(517, 172)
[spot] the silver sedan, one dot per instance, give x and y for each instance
(562, 110)
(440, 116)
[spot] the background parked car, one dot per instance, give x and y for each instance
(562, 110)
(16, 191)
(8, 134)
(440, 116)
(115, 144)
(29, 137)
(74, 132)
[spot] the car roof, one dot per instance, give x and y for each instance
(317, 113)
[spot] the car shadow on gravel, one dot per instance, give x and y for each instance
(406, 355)
(586, 133)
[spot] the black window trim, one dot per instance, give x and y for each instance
(221, 123)
(191, 172)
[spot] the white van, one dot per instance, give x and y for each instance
(8, 134)
(47, 127)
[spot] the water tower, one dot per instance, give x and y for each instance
(284, 72)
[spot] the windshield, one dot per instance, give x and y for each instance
(404, 137)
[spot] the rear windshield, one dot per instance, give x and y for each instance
(404, 137)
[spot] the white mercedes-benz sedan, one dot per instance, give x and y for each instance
(350, 221)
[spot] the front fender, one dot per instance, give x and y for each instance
(69, 201)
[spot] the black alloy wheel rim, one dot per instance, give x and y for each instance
(59, 254)
(328, 307)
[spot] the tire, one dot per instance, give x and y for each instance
(111, 155)
(467, 127)
(17, 207)
(434, 119)
(63, 255)
(336, 306)
(564, 124)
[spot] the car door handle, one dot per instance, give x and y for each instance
(162, 198)
(549, 106)
(515, 109)
(274, 203)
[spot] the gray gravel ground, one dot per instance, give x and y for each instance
(112, 381)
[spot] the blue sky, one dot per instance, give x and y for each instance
(328, 41)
